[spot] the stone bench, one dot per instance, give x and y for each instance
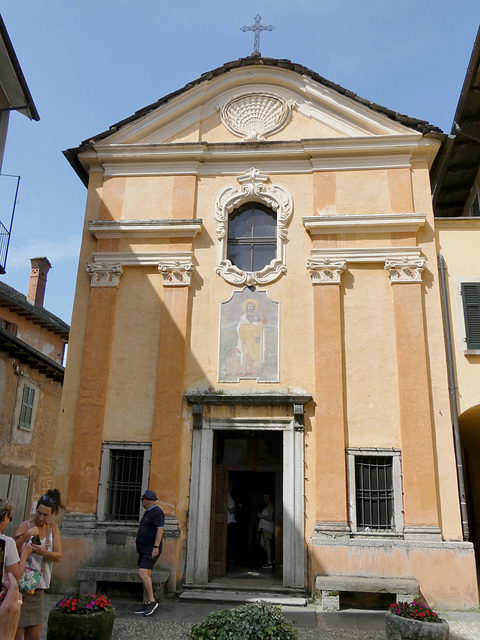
(89, 576)
(330, 587)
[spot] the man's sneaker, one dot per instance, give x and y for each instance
(150, 608)
(141, 609)
(268, 565)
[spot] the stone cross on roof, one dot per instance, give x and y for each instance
(256, 28)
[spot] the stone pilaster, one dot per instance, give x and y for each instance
(331, 477)
(92, 397)
(168, 412)
(416, 421)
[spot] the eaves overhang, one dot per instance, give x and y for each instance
(26, 354)
(456, 168)
(12, 79)
(19, 304)
(72, 154)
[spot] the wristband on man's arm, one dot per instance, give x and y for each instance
(155, 546)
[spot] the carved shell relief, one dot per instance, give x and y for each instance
(254, 116)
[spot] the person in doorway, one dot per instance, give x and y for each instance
(149, 547)
(14, 563)
(48, 550)
(266, 526)
(231, 526)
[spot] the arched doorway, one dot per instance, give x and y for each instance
(469, 423)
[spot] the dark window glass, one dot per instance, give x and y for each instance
(471, 307)
(124, 485)
(252, 237)
(374, 493)
(476, 207)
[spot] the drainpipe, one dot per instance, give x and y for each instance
(452, 390)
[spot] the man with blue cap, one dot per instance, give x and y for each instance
(149, 548)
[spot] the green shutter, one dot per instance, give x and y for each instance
(471, 307)
(26, 410)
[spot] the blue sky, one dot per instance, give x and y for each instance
(91, 64)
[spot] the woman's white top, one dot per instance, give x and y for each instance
(34, 561)
(11, 553)
(268, 525)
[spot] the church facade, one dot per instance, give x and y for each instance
(257, 312)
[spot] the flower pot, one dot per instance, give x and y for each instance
(80, 626)
(400, 628)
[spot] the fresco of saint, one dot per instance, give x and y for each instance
(249, 337)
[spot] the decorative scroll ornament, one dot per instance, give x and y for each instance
(253, 188)
(104, 274)
(406, 270)
(176, 272)
(326, 271)
(254, 116)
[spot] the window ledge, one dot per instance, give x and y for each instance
(472, 352)
(376, 534)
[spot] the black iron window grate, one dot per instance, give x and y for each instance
(125, 484)
(374, 493)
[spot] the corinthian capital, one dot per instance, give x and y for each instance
(406, 270)
(176, 272)
(326, 271)
(104, 274)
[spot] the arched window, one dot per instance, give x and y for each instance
(252, 225)
(252, 237)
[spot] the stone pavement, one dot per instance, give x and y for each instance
(173, 620)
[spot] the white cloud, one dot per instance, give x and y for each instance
(57, 252)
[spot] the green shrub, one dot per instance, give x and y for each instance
(253, 621)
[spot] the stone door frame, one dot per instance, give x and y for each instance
(198, 539)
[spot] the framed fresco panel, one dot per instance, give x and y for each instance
(248, 347)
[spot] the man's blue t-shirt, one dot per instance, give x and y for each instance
(152, 520)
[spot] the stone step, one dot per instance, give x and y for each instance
(241, 596)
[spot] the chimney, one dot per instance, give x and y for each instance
(38, 280)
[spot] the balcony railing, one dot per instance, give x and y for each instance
(8, 201)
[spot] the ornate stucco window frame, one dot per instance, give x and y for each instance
(253, 188)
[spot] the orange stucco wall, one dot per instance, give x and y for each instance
(369, 352)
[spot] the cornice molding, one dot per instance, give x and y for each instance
(305, 155)
(367, 254)
(370, 223)
(147, 259)
(168, 228)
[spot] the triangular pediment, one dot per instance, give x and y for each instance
(314, 110)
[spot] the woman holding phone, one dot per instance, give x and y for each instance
(48, 550)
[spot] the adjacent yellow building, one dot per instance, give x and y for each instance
(257, 311)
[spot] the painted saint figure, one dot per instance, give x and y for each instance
(250, 338)
(248, 346)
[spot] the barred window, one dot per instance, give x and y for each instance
(375, 491)
(123, 478)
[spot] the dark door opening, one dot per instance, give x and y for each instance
(248, 465)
